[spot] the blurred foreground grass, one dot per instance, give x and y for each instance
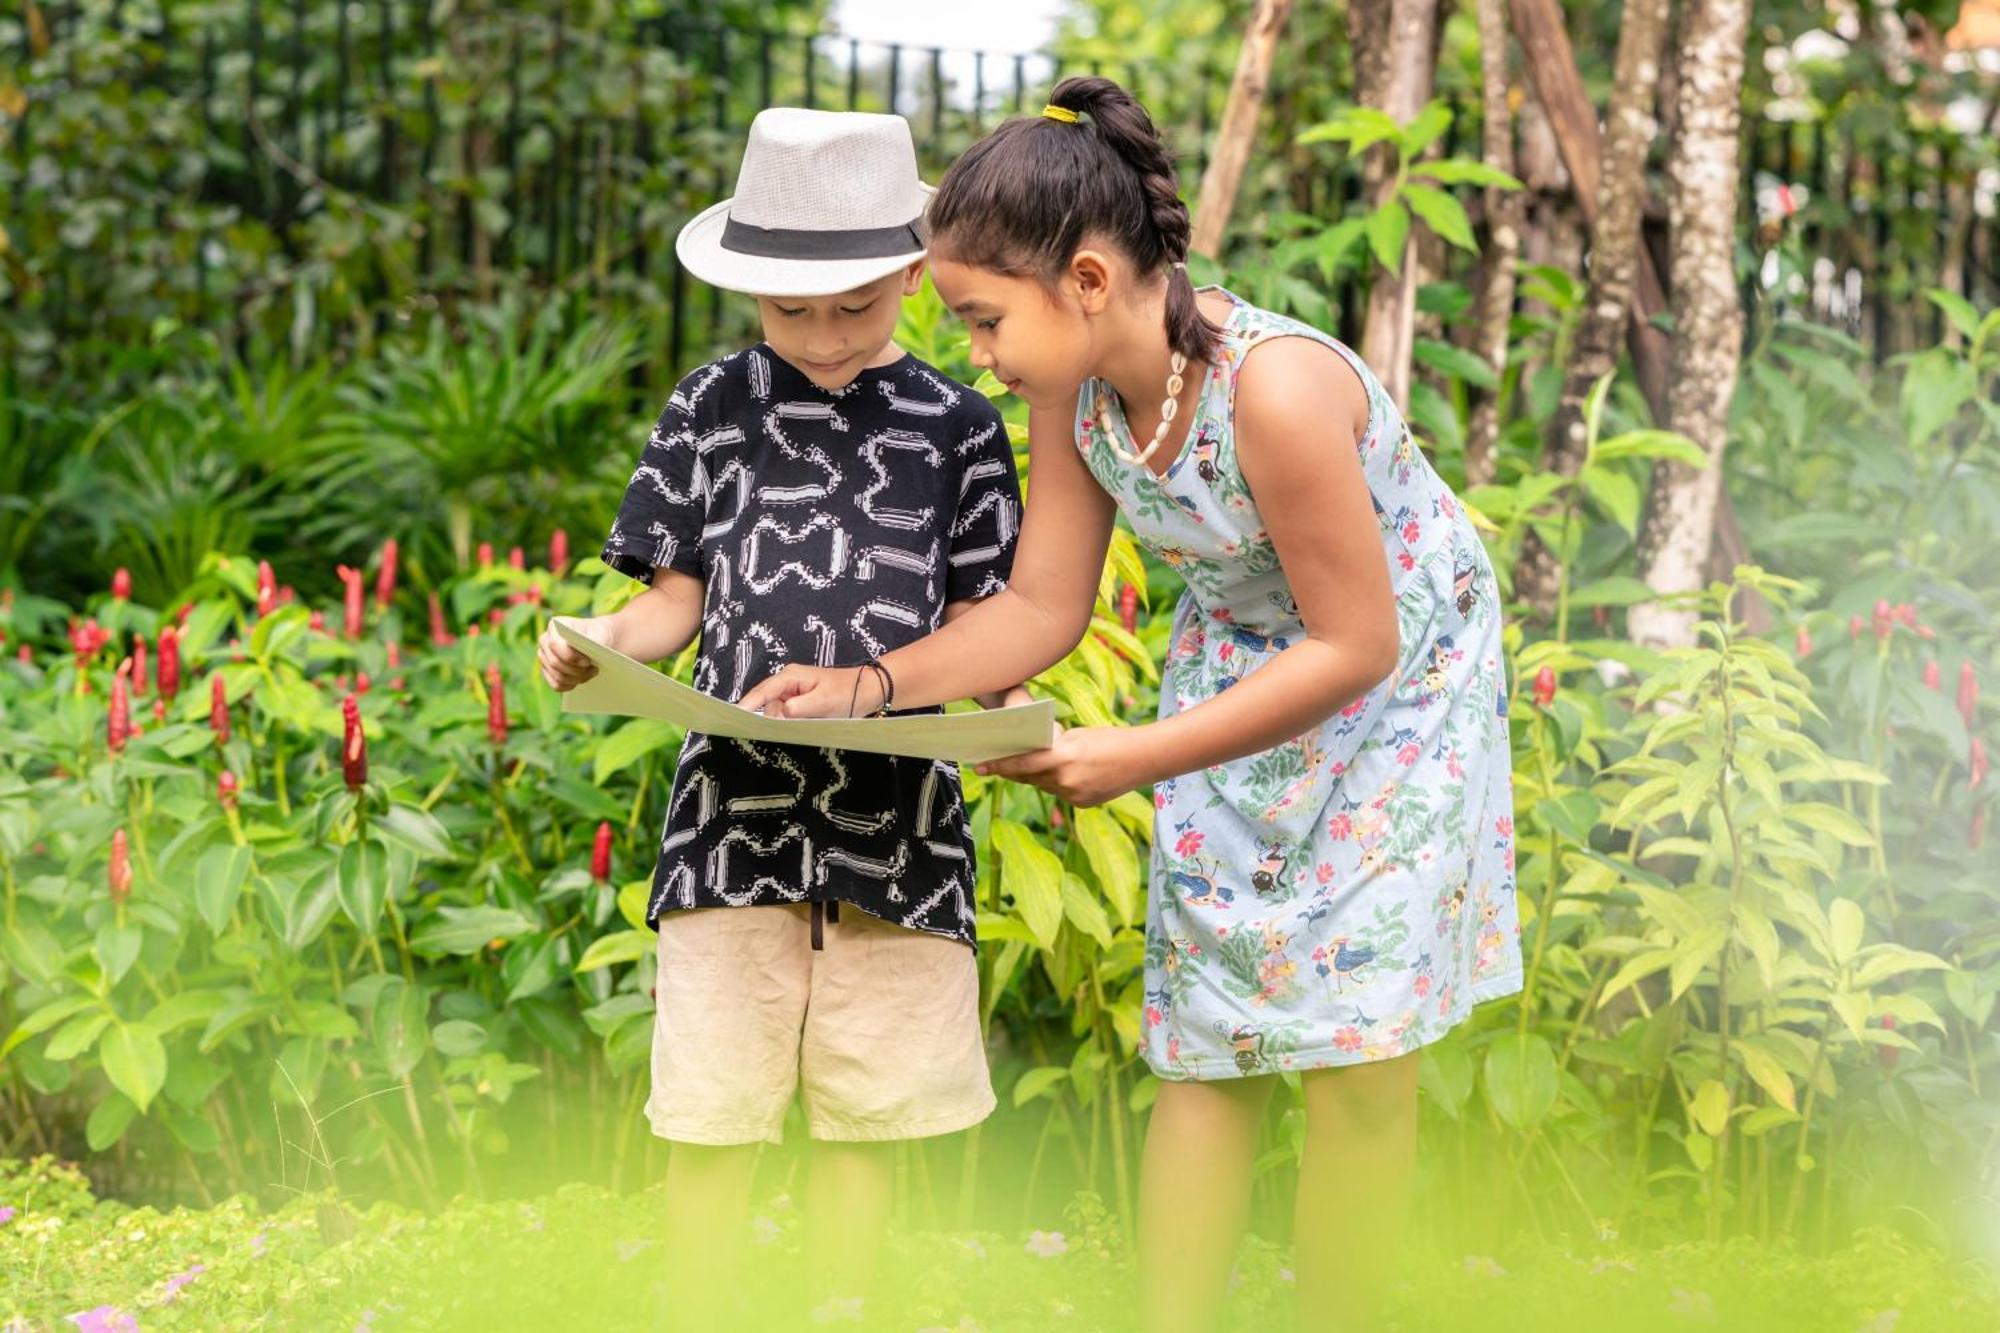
(582, 1257)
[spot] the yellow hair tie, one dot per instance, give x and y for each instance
(1061, 113)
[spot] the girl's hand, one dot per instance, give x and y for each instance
(563, 667)
(804, 691)
(1013, 698)
(1088, 766)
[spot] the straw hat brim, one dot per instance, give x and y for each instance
(700, 249)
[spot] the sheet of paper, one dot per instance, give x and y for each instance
(632, 689)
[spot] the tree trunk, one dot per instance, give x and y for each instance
(1238, 132)
(1551, 63)
(1505, 211)
(1679, 526)
(1614, 266)
(1392, 298)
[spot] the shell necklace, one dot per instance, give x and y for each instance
(1168, 409)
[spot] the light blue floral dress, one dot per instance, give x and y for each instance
(1349, 895)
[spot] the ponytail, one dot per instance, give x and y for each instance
(1022, 200)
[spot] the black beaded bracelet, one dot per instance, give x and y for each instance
(888, 686)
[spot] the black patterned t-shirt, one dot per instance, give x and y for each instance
(828, 529)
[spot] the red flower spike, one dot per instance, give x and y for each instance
(218, 709)
(495, 616)
(1802, 644)
(353, 745)
(225, 789)
(385, 577)
(361, 682)
(120, 871)
(170, 662)
(121, 585)
(1854, 626)
(352, 603)
(496, 706)
(440, 636)
(558, 551)
(118, 726)
(485, 555)
(24, 655)
(1926, 633)
(600, 854)
(1887, 1056)
(267, 589)
(316, 622)
(1933, 678)
(1545, 687)
(1976, 761)
(1885, 618)
(287, 595)
(1968, 691)
(1128, 608)
(516, 559)
(1905, 613)
(140, 683)
(159, 712)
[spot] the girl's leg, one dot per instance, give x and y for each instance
(708, 1205)
(1194, 1199)
(1354, 1189)
(848, 1194)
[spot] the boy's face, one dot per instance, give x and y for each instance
(831, 339)
(1034, 340)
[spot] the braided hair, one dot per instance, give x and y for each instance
(1022, 200)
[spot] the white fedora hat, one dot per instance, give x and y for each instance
(825, 202)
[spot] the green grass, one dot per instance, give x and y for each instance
(584, 1258)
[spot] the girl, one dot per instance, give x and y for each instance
(1332, 875)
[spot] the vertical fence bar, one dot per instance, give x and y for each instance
(978, 91)
(853, 73)
(811, 92)
(1020, 83)
(341, 39)
(720, 179)
(427, 44)
(386, 54)
(895, 66)
(937, 99)
(250, 154)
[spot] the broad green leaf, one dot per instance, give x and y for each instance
(1113, 859)
(1388, 228)
(46, 1017)
(1521, 1079)
(219, 877)
(622, 748)
(1650, 444)
(1037, 1082)
(364, 878)
(465, 930)
(415, 828)
(1032, 877)
(1711, 1107)
(108, 1121)
(1848, 924)
(621, 946)
(1460, 171)
(1442, 214)
(1445, 1075)
(1084, 911)
(1769, 1074)
(459, 1037)
(134, 1061)
(1454, 361)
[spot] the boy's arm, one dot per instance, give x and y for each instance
(1007, 698)
(658, 623)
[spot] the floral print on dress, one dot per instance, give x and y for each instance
(1348, 895)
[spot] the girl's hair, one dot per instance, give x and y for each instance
(1022, 200)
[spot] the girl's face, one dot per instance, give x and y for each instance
(831, 339)
(1036, 341)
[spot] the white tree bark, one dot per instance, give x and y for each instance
(1679, 527)
(1410, 75)
(1505, 212)
(1238, 131)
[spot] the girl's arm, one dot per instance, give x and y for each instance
(658, 623)
(1008, 637)
(1297, 408)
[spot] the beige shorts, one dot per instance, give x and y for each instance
(879, 1030)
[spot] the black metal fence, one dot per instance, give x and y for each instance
(387, 162)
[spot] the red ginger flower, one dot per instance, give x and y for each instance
(139, 679)
(170, 662)
(1968, 691)
(354, 744)
(121, 584)
(485, 554)
(119, 725)
(496, 706)
(218, 709)
(1803, 645)
(1885, 618)
(1854, 626)
(267, 589)
(1932, 677)
(516, 559)
(225, 789)
(1128, 607)
(352, 602)
(1545, 687)
(600, 853)
(1976, 761)
(558, 551)
(385, 577)
(440, 636)
(120, 870)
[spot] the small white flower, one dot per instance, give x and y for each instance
(1047, 1244)
(1605, 1230)
(839, 1310)
(1482, 1265)
(972, 1246)
(765, 1230)
(1286, 1275)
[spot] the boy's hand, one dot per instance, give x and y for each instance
(1013, 698)
(563, 667)
(803, 691)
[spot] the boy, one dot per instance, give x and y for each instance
(822, 498)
